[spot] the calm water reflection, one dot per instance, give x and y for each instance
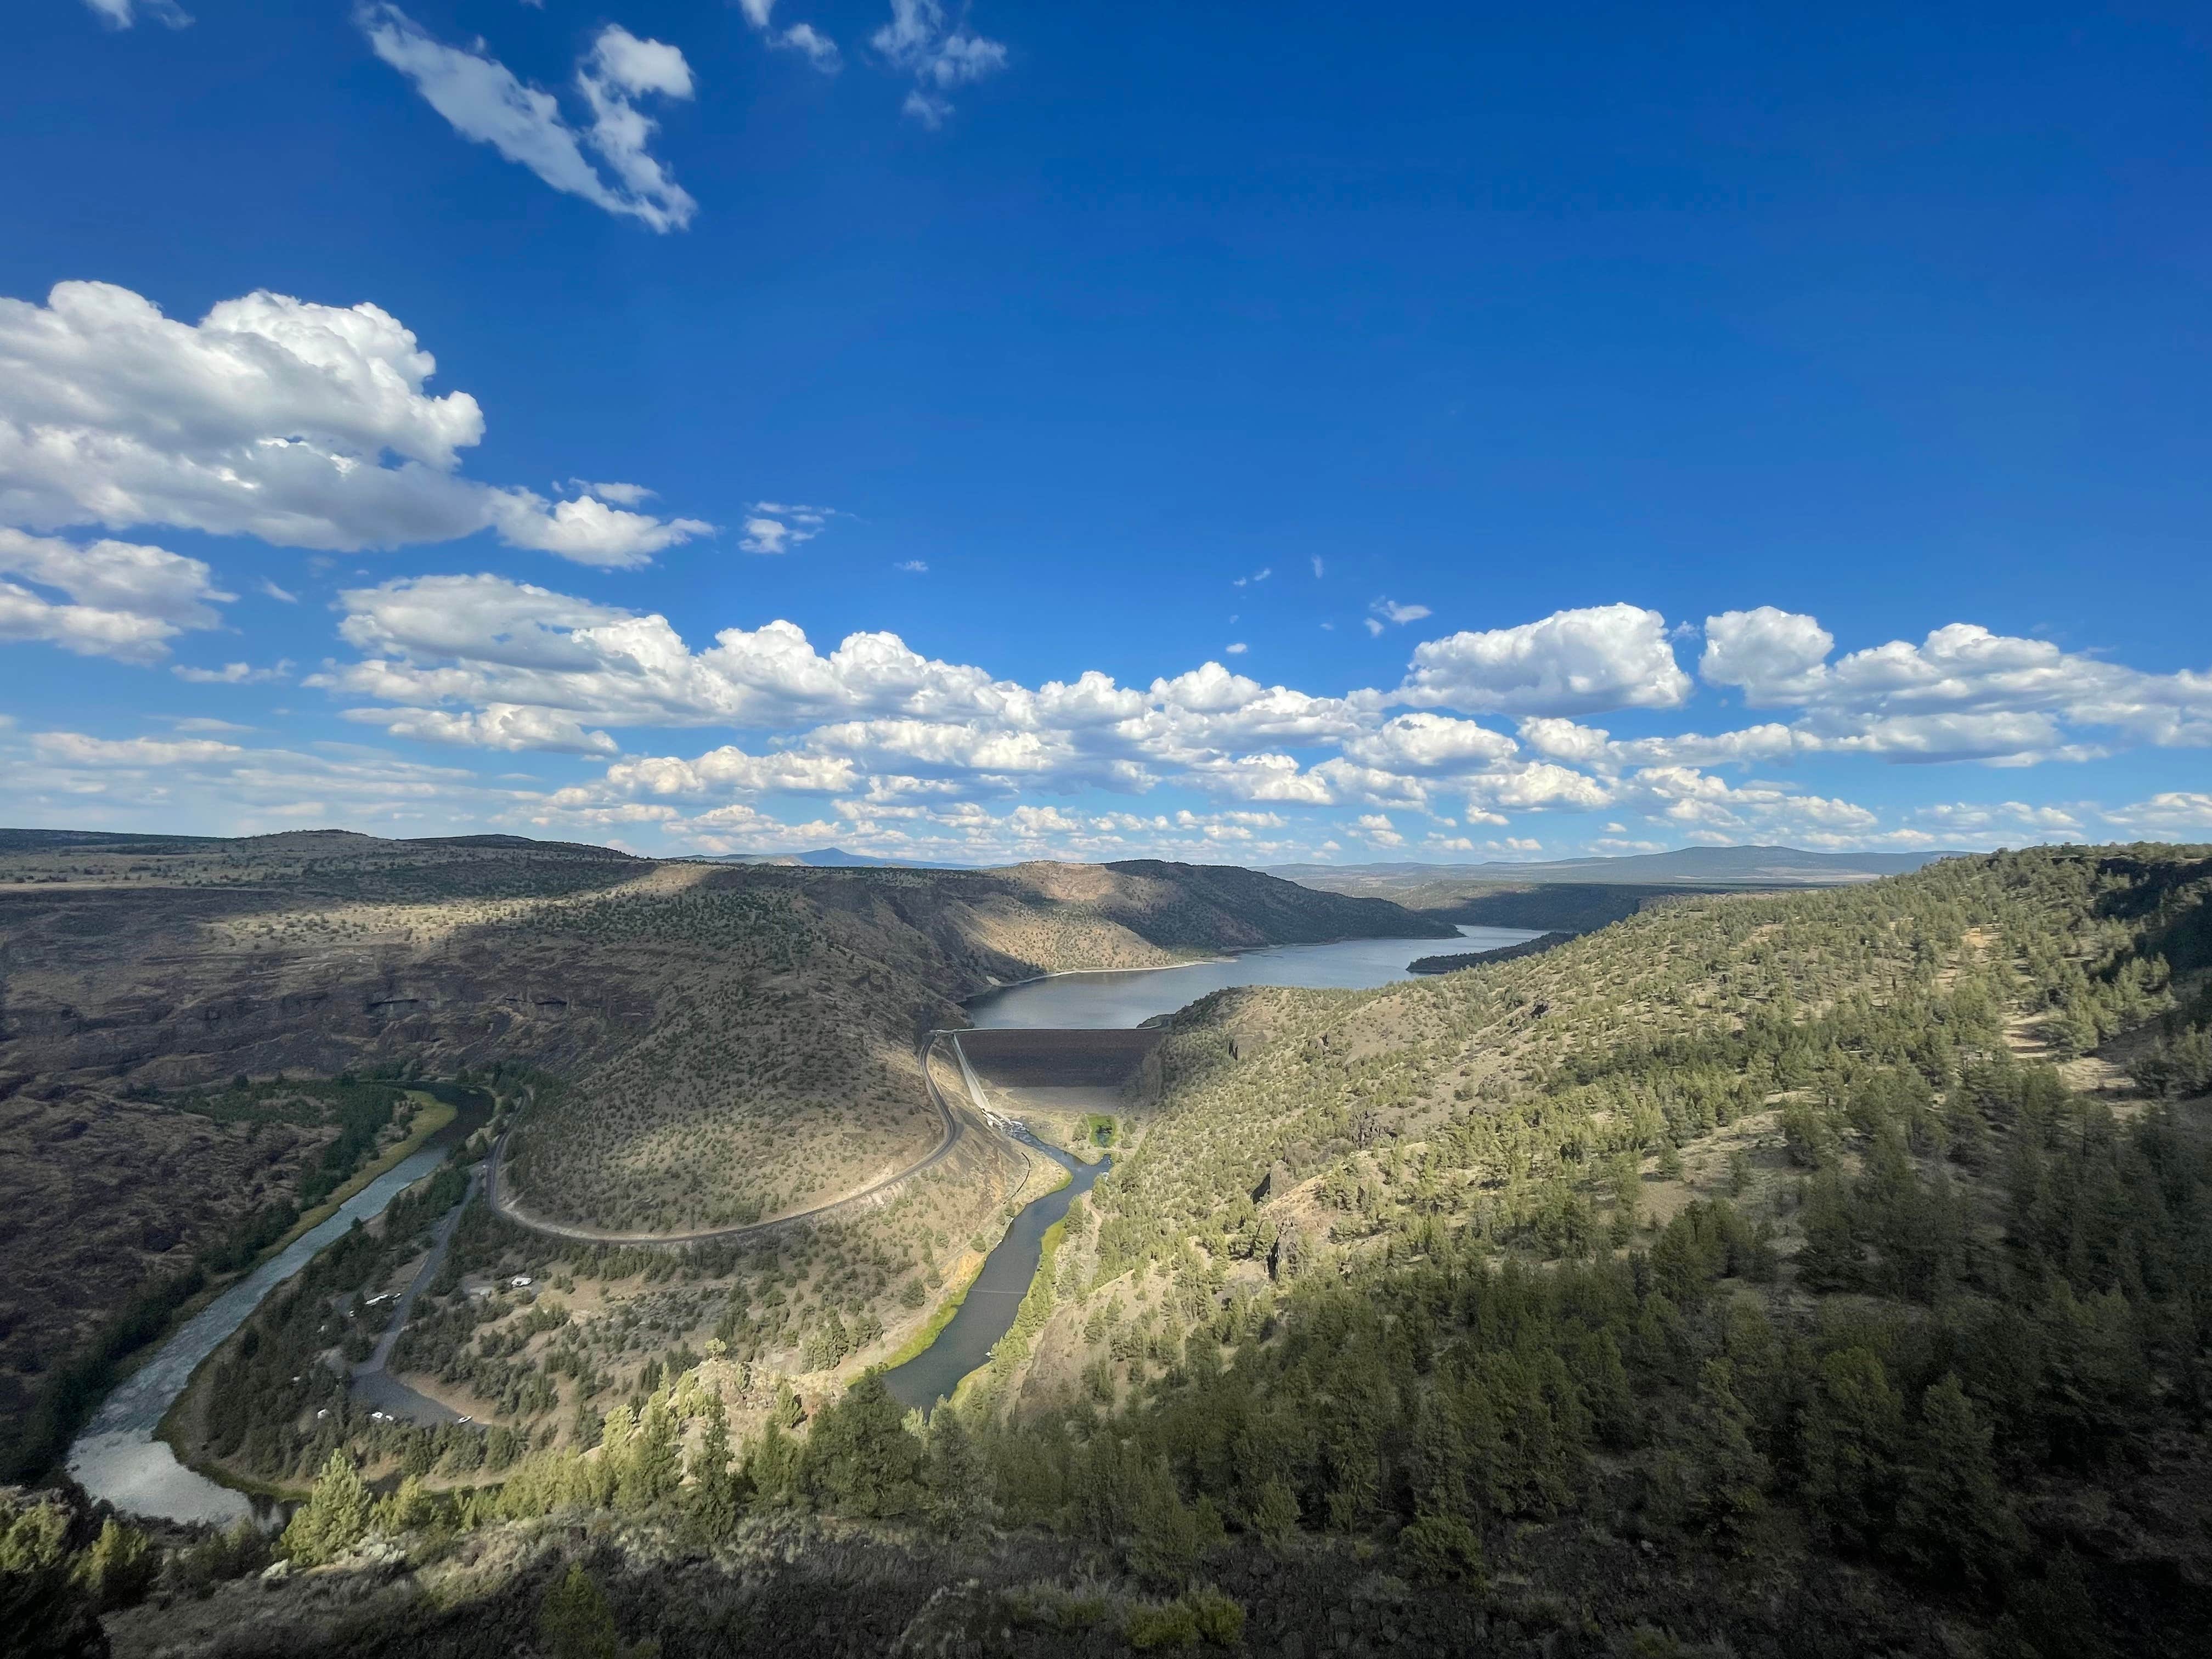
(1122, 1000)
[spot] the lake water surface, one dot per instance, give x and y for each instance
(1121, 1000)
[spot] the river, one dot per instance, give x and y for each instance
(118, 1457)
(1114, 1001)
(995, 1297)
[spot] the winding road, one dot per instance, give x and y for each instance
(956, 1125)
(372, 1385)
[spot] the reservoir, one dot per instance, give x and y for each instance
(1120, 1000)
(1131, 998)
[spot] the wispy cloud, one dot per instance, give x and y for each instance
(809, 42)
(234, 673)
(939, 55)
(122, 14)
(1389, 610)
(779, 527)
(484, 102)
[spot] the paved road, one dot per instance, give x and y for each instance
(372, 1384)
(956, 1125)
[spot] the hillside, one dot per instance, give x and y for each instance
(1835, 1214)
(1578, 896)
(1565, 906)
(1765, 1275)
(708, 1045)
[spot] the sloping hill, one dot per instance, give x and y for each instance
(1206, 907)
(1757, 1239)
(724, 1043)
(1814, 1273)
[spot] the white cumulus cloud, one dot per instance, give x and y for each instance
(911, 751)
(817, 48)
(1572, 662)
(938, 53)
(1962, 693)
(110, 598)
(305, 425)
(2172, 812)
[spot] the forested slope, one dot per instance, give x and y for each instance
(1828, 1273)
(1753, 1236)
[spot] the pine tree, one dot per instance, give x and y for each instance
(335, 1516)
(1709, 1474)
(45, 1613)
(650, 1463)
(408, 1508)
(1169, 1538)
(1952, 1516)
(1275, 1512)
(576, 1621)
(859, 1459)
(953, 1471)
(1850, 1428)
(1438, 1469)
(1829, 1259)
(716, 1501)
(772, 1464)
(119, 1567)
(787, 1411)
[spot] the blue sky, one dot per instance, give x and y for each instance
(977, 434)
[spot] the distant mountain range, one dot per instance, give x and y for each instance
(1685, 866)
(821, 858)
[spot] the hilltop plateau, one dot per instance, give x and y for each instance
(1578, 894)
